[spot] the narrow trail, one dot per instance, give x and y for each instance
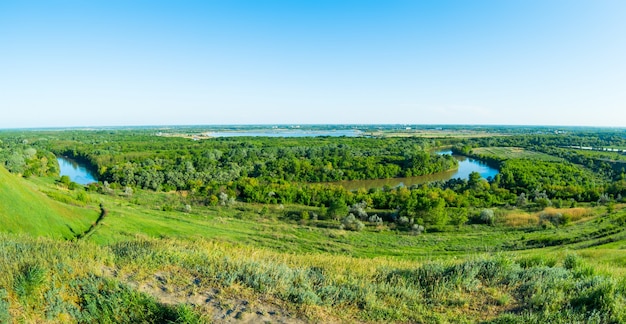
(92, 228)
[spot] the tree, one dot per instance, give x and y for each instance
(474, 180)
(337, 208)
(15, 163)
(458, 216)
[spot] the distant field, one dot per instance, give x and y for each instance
(515, 153)
(604, 155)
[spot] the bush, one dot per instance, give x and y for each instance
(65, 180)
(487, 216)
(352, 224)
(375, 219)
(417, 229)
(556, 219)
(403, 220)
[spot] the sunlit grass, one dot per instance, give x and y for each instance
(518, 272)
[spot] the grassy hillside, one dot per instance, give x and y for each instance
(200, 281)
(150, 261)
(24, 209)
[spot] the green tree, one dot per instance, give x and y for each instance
(338, 208)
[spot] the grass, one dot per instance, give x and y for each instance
(24, 209)
(142, 216)
(567, 272)
(506, 153)
(72, 286)
(519, 218)
(53, 281)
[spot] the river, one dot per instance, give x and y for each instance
(75, 171)
(466, 166)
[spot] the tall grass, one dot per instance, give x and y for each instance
(390, 291)
(560, 215)
(52, 281)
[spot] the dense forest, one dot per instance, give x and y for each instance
(162, 163)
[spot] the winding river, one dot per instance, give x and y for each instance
(466, 166)
(82, 175)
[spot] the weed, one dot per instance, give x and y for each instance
(29, 280)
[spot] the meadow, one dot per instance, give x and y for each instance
(506, 153)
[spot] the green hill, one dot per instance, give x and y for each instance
(26, 210)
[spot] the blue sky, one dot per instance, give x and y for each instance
(110, 63)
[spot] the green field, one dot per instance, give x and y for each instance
(506, 153)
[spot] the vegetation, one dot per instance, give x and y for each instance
(493, 288)
(506, 153)
(540, 242)
(24, 209)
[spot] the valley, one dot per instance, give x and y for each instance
(249, 229)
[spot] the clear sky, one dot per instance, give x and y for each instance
(113, 63)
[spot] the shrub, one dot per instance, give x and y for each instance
(417, 229)
(375, 219)
(487, 216)
(403, 220)
(458, 216)
(572, 261)
(358, 210)
(128, 191)
(73, 186)
(65, 180)
(351, 223)
(556, 219)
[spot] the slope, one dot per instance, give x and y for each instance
(25, 210)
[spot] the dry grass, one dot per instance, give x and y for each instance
(521, 219)
(574, 214)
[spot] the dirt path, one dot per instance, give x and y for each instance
(212, 302)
